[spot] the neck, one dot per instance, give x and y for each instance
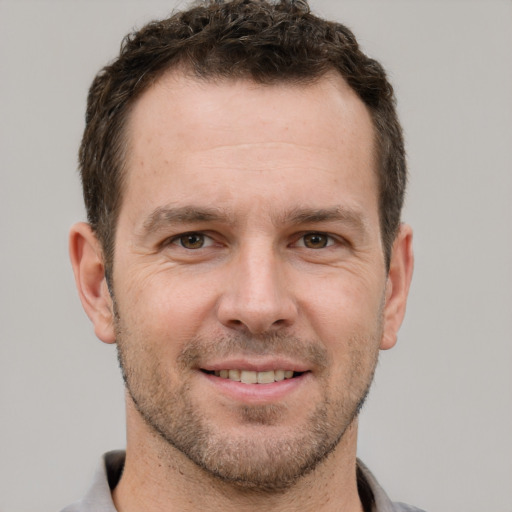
(159, 478)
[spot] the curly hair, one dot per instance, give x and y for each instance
(261, 40)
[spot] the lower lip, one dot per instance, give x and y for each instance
(257, 393)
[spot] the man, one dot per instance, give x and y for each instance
(243, 172)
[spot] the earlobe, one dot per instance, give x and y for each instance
(89, 269)
(397, 286)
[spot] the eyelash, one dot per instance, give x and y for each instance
(178, 240)
(329, 240)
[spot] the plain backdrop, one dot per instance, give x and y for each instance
(437, 430)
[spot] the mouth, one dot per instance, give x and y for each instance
(254, 377)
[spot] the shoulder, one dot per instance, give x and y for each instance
(99, 497)
(400, 507)
(373, 496)
(74, 507)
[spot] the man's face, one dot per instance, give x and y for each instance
(248, 249)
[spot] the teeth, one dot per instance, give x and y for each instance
(266, 377)
(250, 377)
(234, 375)
(279, 375)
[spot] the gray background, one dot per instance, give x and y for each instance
(437, 429)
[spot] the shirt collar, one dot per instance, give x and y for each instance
(99, 496)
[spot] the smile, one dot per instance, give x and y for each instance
(253, 377)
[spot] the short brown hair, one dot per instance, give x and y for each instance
(261, 40)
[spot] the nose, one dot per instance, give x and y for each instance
(257, 297)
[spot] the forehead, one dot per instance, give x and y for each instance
(237, 108)
(231, 137)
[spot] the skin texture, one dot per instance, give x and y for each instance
(282, 267)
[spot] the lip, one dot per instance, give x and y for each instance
(257, 365)
(254, 394)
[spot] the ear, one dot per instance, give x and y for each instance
(397, 286)
(88, 266)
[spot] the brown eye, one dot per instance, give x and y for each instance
(316, 240)
(191, 240)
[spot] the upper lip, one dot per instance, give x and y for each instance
(255, 365)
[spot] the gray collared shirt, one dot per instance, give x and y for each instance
(99, 496)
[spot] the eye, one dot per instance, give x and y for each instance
(192, 241)
(315, 241)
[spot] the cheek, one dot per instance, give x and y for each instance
(344, 307)
(168, 311)
(348, 322)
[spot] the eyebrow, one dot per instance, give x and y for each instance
(351, 217)
(310, 215)
(165, 215)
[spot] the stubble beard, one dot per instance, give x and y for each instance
(262, 462)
